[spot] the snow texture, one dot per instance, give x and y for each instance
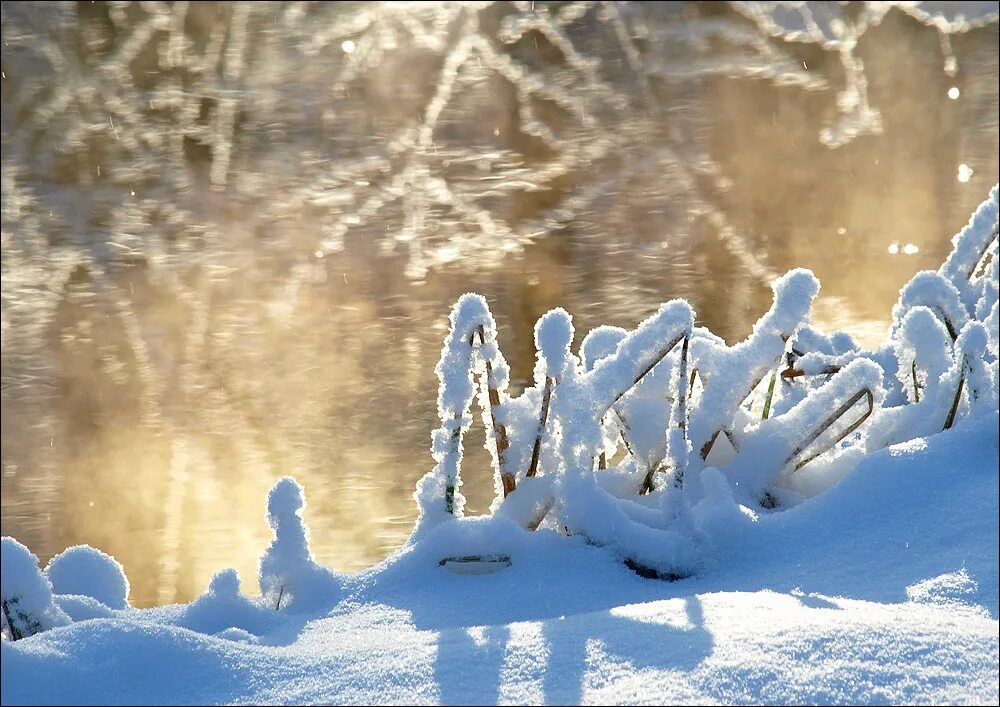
(82, 608)
(730, 374)
(969, 246)
(222, 607)
(922, 343)
(86, 571)
(773, 444)
(28, 606)
(930, 289)
(469, 349)
(780, 442)
(553, 336)
(290, 579)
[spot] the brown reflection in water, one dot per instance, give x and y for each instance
(841, 212)
(176, 407)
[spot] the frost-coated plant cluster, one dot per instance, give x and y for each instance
(702, 430)
(659, 443)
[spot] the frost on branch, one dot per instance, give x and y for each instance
(969, 246)
(553, 337)
(782, 443)
(470, 350)
(923, 349)
(991, 292)
(728, 375)
(932, 290)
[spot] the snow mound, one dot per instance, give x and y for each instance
(289, 577)
(947, 589)
(223, 611)
(26, 594)
(86, 571)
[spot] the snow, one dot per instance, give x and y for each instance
(222, 608)
(289, 577)
(469, 349)
(922, 342)
(600, 342)
(614, 375)
(87, 571)
(778, 442)
(82, 608)
(553, 336)
(883, 589)
(991, 291)
(28, 606)
(991, 323)
(932, 290)
(969, 244)
(729, 374)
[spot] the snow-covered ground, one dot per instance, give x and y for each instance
(880, 590)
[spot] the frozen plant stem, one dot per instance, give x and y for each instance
(652, 364)
(840, 412)
(770, 395)
(15, 633)
(680, 414)
(499, 430)
(542, 420)
(953, 412)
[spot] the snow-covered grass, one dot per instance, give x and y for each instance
(844, 549)
(699, 433)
